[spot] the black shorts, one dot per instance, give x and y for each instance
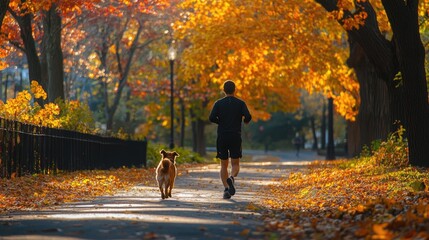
(228, 146)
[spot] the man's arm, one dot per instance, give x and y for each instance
(246, 114)
(214, 115)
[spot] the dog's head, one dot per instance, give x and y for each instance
(169, 155)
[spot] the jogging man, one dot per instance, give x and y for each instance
(229, 112)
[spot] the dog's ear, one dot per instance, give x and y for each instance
(176, 154)
(162, 152)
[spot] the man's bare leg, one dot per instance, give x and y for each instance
(235, 166)
(224, 172)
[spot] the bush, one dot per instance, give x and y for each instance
(392, 153)
(70, 115)
(186, 156)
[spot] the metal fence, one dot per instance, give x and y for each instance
(28, 149)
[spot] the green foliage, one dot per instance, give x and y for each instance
(364, 161)
(277, 132)
(417, 186)
(153, 156)
(186, 156)
(392, 153)
(407, 179)
(398, 80)
(76, 116)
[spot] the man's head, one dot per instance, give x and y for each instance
(229, 87)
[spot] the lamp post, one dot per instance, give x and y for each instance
(171, 57)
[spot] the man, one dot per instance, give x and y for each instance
(228, 113)
(297, 142)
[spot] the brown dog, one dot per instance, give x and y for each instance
(166, 172)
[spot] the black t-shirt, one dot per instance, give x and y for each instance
(228, 113)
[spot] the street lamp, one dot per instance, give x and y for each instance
(171, 57)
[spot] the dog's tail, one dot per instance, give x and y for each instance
(165, 165)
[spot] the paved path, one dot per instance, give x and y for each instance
(286, 156)
(196, 211)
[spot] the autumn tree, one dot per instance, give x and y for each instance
(312, 109)
(40, 33)
(261, 46)
(410, 55)
(52, 52)
(116, 36)
(3, 9)
(201, 21)
(402, 57)
(23, 17)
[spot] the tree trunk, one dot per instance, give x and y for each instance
(3, 9)
(330, 151)
(44, 63)
(5, 87)
(377, 48)
(313, 131)
(34, 67)
(353, 139)
(123, 73)
(1, 85)
(323, 127)
(403, 17)
(128, 110)
(405, 55)
(102, 54)
(198, 137)
(54, 54)
(198, 127)
(182, 123)
(373, 120)
(109, 122)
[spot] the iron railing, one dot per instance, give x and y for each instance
(29, 149)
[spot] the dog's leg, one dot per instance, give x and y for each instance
(172, 179)
(167, 184)
(162, 191)
(171, 186)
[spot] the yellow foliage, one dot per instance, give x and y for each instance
(274, 45)
(268, 48)
(35, 191)
(76, 116)
(17, 108)
(350, 194)
(71, 115)
(47, 116)
(346, 105)
(164, 123)
(38, 91)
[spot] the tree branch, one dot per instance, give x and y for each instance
(378, 49)
(4, 4)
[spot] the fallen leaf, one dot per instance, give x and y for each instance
(245, 232)
(150, 235)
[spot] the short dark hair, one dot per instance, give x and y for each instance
(229, 87)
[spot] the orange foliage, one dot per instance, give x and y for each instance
(274, 45)
(3, 54)
(342, 199)
(31, 192)
(271, 49)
